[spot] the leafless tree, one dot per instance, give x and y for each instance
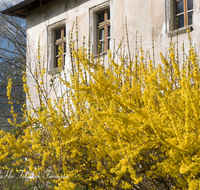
(12, 61)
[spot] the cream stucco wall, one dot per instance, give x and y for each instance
(142, 16)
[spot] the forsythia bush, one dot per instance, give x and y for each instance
(125, 126)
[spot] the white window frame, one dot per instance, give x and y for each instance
(51, 44)
(94, 22)
(170, 19)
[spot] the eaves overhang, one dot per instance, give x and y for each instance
(21, 9)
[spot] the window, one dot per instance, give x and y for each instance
(56, 35)
(100, 27)
(183, 13)
(60, 40)
(103, 30)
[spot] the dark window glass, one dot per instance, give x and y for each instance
(189, 4)
(57, 61)
(65, 47)
(57, 49)
(179, 7)
(101, 17)
(180, 21)
(109, 31)
(101, 33)
(58, 34)
(64, 59)
(64, 32)
(108, 43)
(108, 13)
(190, 17)
(101, 48)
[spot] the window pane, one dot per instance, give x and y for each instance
(64, 32)
(101, 46)
(58, 34)
(189, 4)
(109, 31)
(65, 47)
(108, 43)
(56, 61)
(180, 21)
(108, 13)
(101, 34)
(64, 58)
(179, 7)
(101, 17)
(57, 49)
(190, 17)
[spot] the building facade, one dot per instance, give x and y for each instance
(151, 23)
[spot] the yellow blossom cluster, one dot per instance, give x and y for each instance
(127, 125)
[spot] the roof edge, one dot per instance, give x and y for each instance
(9, 11)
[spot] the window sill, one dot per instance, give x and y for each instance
(101, 55)
(179, 31)
(53, 71)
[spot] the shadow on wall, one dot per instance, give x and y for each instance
(51, 10)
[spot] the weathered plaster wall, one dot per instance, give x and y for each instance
(142, 16)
